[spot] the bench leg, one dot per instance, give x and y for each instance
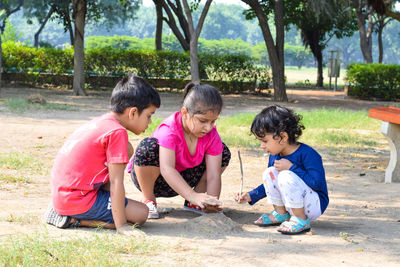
(392, 132)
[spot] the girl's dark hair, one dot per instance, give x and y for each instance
(275, 120)
(133, 91)
(201, 98)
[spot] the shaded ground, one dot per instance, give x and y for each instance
(361, 226)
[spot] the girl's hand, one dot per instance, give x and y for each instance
(203, 200)
(244, 198)
(282, 164)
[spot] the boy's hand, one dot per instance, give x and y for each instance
(129, 230)
(244, 198)
(282, 164)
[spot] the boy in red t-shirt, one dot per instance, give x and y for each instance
(88, 173)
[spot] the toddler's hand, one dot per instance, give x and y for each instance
(129, 230)
(244, 198)
(282, 164)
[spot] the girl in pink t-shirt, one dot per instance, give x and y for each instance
(185, 155)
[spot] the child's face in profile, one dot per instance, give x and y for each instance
(202, 124)
(139, 123)
(270, 144)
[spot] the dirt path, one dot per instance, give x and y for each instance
(361, 226)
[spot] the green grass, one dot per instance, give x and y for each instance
(14, 179)
(20, 105)
(96, 249)
(18, 161)
(324, 128)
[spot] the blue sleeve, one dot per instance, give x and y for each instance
(256, 194)
(312, 171)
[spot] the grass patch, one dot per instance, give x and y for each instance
(324, 128)
(18, 161)
(98, 249)
(13, 179)
(20, 105)
(23, 219)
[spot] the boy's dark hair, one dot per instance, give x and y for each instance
(133, 91)
(201, 98)
(275, 120)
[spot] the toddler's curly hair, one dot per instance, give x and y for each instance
(275, 120)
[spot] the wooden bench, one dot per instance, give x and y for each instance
(390, 117)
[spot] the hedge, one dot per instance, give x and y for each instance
(373, 81)
(230, 72)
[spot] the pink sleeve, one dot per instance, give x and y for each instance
(116, 145)
(216, 147)
(166, 138)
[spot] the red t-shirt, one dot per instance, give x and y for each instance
(80, 167)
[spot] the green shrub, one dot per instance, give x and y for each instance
(228, 72)
(373, 81)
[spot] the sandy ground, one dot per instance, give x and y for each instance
(361, 226)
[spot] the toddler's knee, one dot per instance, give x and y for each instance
(286, 178)
(269, 174)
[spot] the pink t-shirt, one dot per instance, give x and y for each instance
(80, 167)
(170, 135)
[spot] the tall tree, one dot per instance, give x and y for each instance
(194, 32)
(365, 26)
(187, 33)
(275, 46)
(385, 7)
(380, 22)
(6, 9)
(317, 28)
(159, 26)
(79, 16)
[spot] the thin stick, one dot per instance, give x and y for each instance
(241, 177)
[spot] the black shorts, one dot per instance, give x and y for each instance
(147, 154)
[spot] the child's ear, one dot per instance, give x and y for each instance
(184, 111)
(132, 111)
(284, 137)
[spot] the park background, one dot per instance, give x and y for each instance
(360, 227)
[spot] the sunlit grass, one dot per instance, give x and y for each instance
(324, 128)
(20, 105)
(18, 161)
(96, 249)
(13, 179)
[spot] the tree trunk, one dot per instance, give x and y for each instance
(194, 37)
(69, 25)
(183, 40)
(36, 41)
(275, 52)
(365, 33)
(79, 55)
(320, 75)
(380, 42)
(194, 61)
(159, 25)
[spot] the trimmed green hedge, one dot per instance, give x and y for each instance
(373, 81)
(229, 71)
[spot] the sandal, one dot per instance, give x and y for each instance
(266, 221)
(295, 226)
